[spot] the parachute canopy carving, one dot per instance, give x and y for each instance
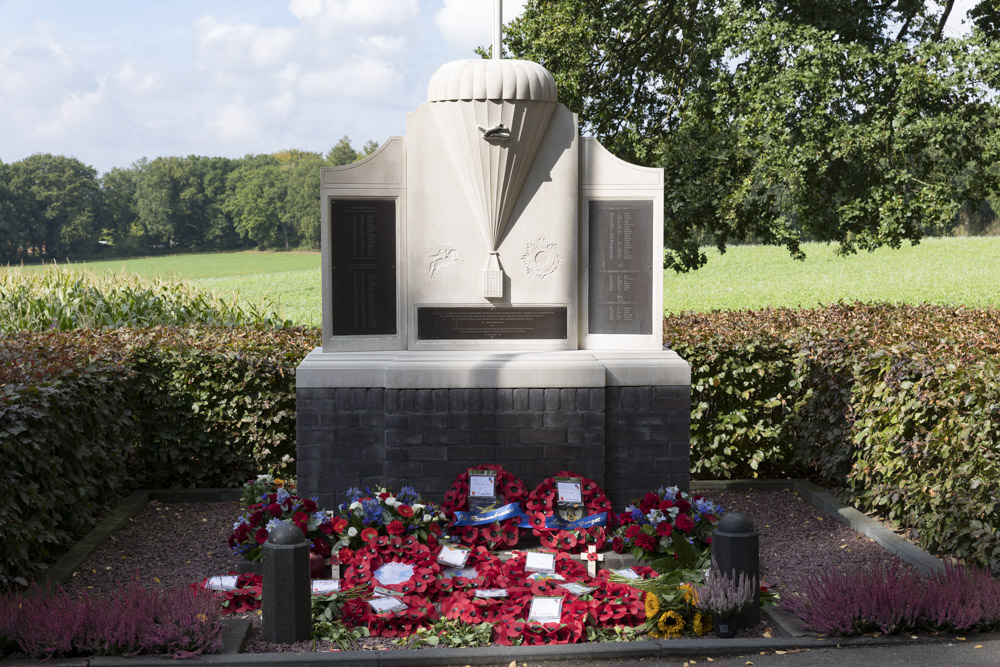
(468, 96)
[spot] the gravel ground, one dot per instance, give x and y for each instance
(179, 543)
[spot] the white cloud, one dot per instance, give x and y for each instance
(242, 45)
(358, 78)
(235, 122)
(332, 15)
(467, 24)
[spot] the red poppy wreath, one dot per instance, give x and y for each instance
(542, 506)
(405, 556)
(495, 534)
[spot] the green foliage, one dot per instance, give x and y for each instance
(897, 405)
(65, 299)
(327, 624)
(450, 634)
(779, 121)
(65, 429)
(87, 415)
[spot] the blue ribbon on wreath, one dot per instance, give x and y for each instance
(559, 523)
(511, 511)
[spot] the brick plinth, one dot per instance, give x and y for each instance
(628, 439)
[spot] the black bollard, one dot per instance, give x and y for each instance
(286, 599)
(735, 547)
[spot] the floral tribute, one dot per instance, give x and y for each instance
(497, 534)
(381, 550)
(255, 490)
(380, 512)
(246, 596)
(666, 523)
(252, 528)
(541, 511)
(672, 609)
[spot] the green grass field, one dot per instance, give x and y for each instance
(953, 270)
(942, 270)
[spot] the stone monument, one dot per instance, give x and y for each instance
(492, 292)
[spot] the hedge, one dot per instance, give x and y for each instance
(897, 406)
(86, 416)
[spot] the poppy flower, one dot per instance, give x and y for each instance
(491, 533)
(537, 520)
(567, 540)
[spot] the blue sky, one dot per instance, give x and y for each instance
(112, 81)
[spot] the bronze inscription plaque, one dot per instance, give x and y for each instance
(363, 253)
(620, 269)
(485, 323)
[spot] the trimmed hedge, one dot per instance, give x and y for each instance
(898, 406)
(86, 416)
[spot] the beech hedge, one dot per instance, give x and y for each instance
(86, 416)
(898, 406)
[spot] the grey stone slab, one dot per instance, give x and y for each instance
(235, 632)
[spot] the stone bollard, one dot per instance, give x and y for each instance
(735, 546)
(286, 600)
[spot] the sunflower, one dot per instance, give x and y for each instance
(652, 602)
(671, 624)
(690, 594)
(701, 624)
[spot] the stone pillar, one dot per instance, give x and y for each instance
(735, 549)
(286, 604)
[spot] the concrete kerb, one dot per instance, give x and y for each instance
(675, 648)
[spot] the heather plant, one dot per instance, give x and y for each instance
(133, 620)
(961, 598)
(724, 595)
(884, 598)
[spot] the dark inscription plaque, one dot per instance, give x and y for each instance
(621, 275)
(477, 323)
(363, 252)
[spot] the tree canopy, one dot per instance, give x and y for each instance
(854, 121)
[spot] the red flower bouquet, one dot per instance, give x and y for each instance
(251, 529)
(667, 524)
(508, 488)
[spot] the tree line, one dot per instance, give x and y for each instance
(54, 207)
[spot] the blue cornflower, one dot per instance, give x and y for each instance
(704, 505)
(372, 510)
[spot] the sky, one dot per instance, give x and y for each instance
(112, 81)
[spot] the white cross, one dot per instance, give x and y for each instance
(592, 558)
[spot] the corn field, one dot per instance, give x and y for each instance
(64, 299)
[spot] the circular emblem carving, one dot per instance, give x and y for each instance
(541, 258)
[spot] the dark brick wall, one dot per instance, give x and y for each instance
(650, 428)
(628, 439)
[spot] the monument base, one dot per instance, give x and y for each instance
(421, 418)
